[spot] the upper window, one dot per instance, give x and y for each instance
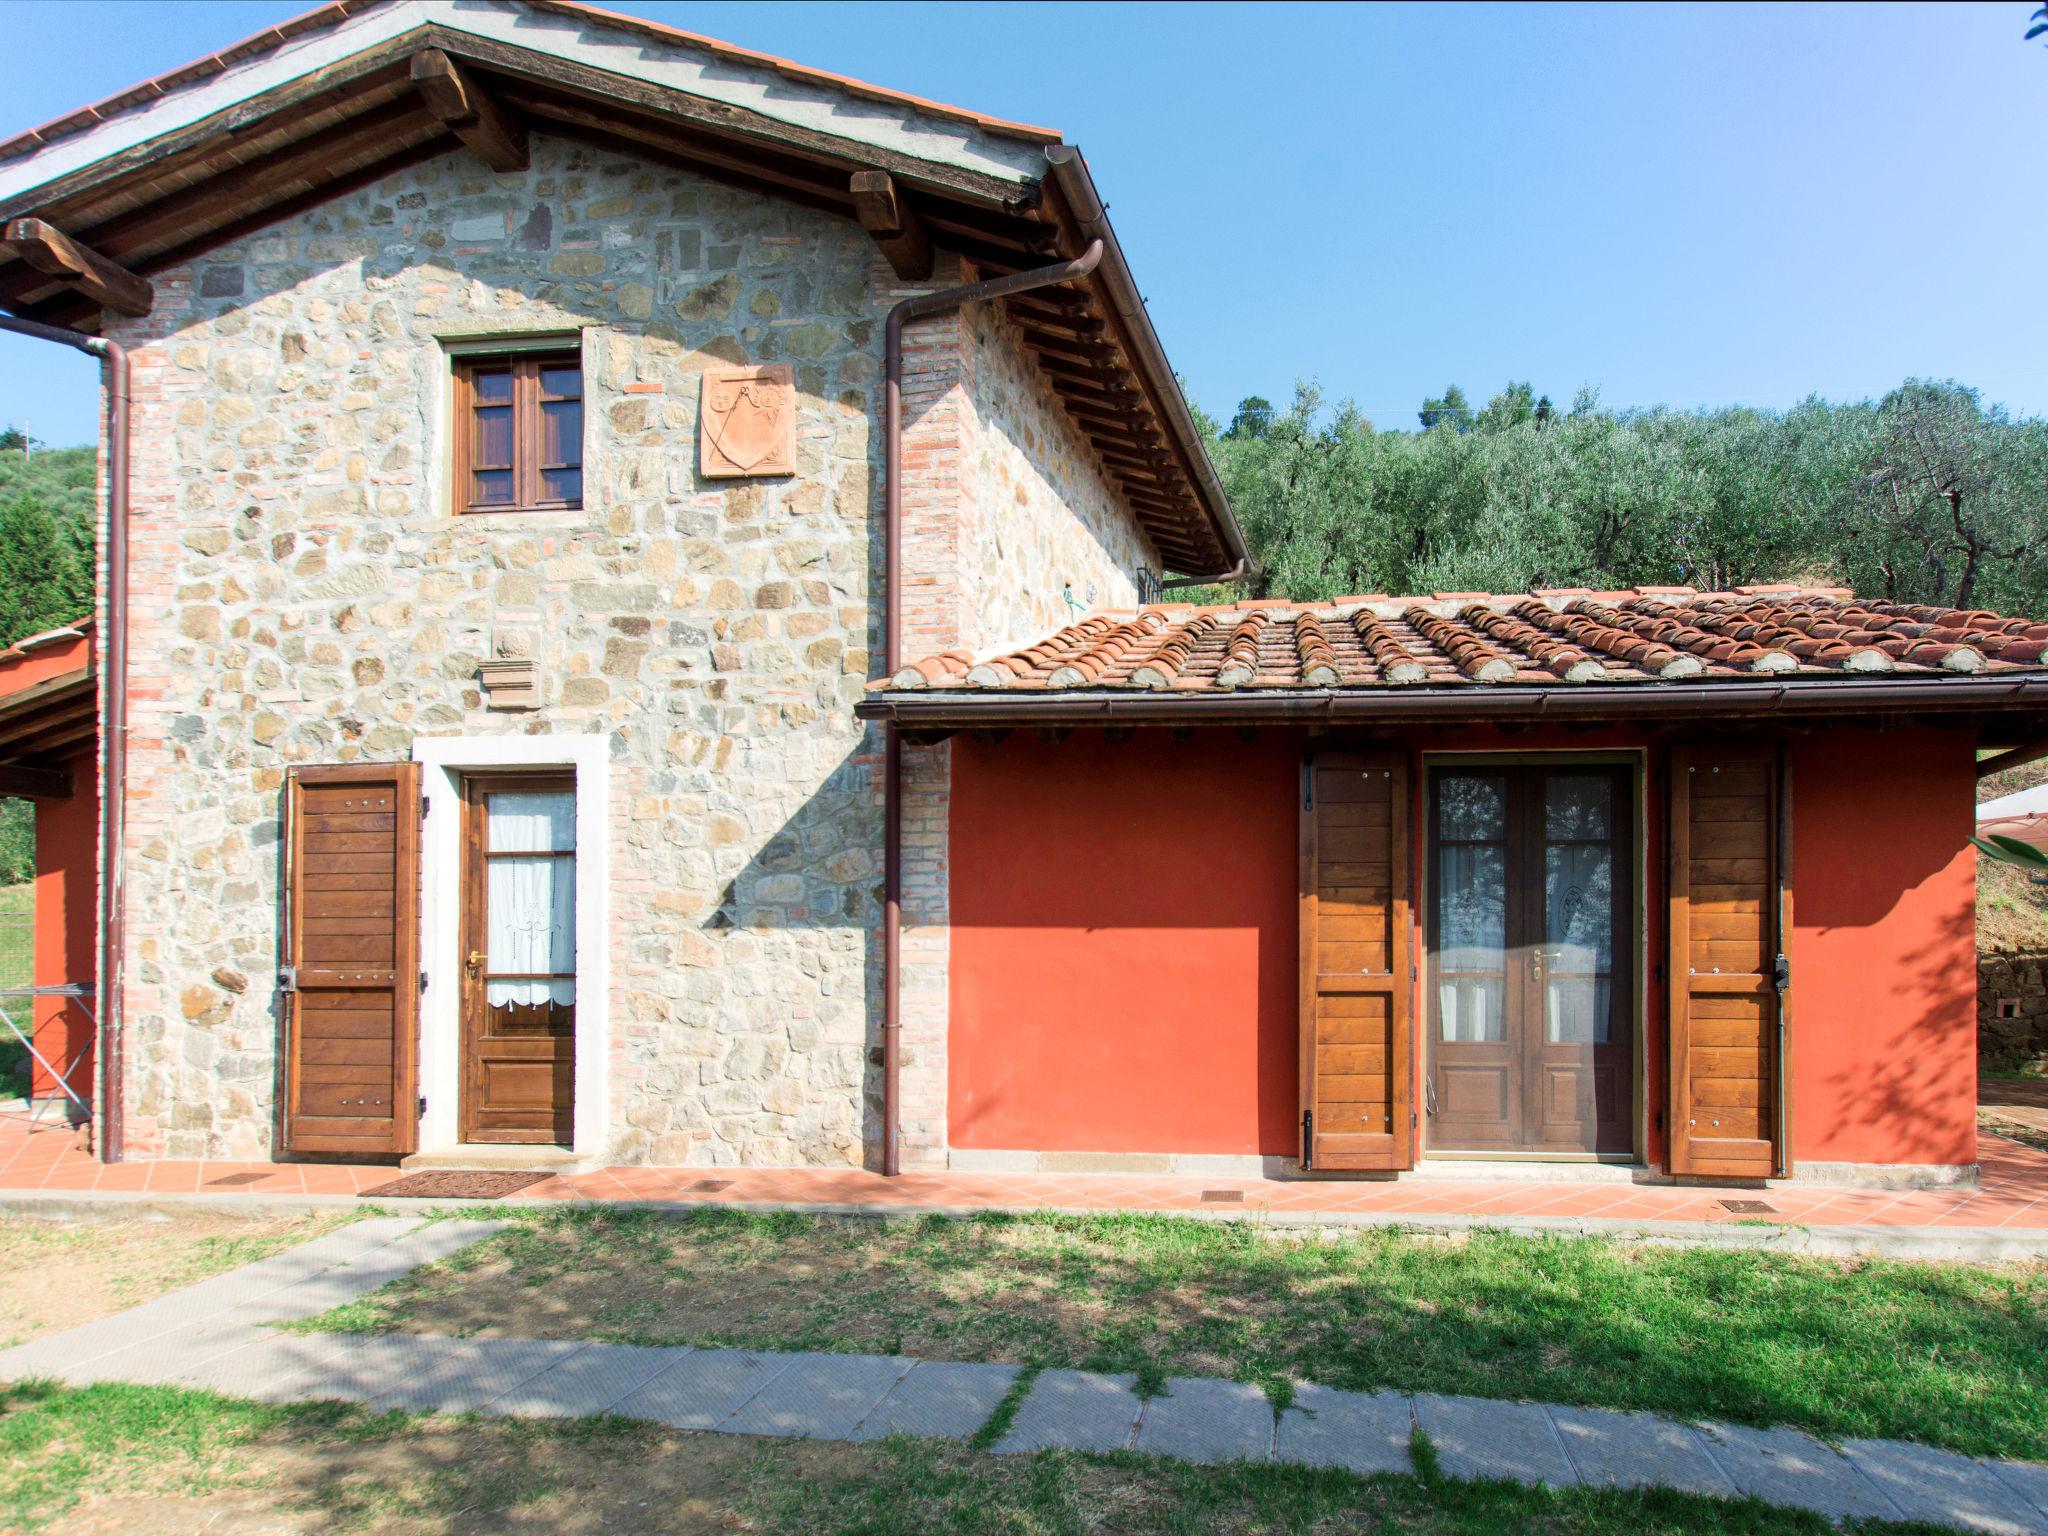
(519, 433)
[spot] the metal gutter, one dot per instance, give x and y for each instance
(918, 709)
(916, 307)
(1070, 174)
(114, 725)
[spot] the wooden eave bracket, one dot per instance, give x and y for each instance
(52, 252)
(32, 783)
(486, 129)
(892, 225)
(2016, 757)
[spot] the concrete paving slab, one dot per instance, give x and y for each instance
(55, 1354)
(593, 1380)
(280, 1271)
(1366, 1432)
(474, 1372)
(155, 1362)
(1942, 1487)
(704, 1388)
(439, 1239)
(1782, 1466)
(1207, 1421)
(2028, 1479)
(1638, 1450)
(819, 1397)
(249, 1371)
(938, 1400)
(1478, 1437)
(1074, 1411)
(371, 1269)
(354, 1367)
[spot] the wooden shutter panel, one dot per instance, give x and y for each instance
(352, 879)
(1357, 1086)
(1726, 1007)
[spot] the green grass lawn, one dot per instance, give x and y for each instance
(154, 1458)
(1953, 1355)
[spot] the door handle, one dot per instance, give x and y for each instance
(476, 961)
(1536, 959)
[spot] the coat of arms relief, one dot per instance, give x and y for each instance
(746, 422)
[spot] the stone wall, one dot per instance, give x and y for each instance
(302, 595)
(2017, 980)
(1044, 517)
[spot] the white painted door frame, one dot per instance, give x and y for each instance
(443, 760)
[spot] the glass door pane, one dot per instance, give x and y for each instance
(1578, 908)
(530, 912)
(1472, 939)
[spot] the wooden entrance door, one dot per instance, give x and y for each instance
(519, 972)
(1531, 944)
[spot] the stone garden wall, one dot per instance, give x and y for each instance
(2012, 1004)
(302, 595)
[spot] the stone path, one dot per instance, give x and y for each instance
(218, 1335)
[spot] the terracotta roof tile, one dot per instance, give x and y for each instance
(325, 16)
(1562, 637)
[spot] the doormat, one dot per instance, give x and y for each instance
(455, 1184)
(1751, 1207)
(709, 1186)
(235, 1180)
(1223, 1197)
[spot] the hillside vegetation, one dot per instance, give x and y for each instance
(1928, 495)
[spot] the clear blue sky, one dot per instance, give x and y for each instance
(1695, 204)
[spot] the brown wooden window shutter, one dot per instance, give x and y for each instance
(352, 978)
(519, 433)
(1729, 997)
(1357, 1088)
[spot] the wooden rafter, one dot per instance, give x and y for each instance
(32, 783)
(2016, 757)
(49, 250)
(453, 95)
(897, 232)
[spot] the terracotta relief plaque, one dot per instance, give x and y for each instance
(746, 421)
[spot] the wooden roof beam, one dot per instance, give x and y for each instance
(35, 783)
(52, 252)
(469, 112)
(888, 219)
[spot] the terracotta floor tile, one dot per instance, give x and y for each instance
(2013, 1192)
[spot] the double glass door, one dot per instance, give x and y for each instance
(1530, 948)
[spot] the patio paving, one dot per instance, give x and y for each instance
(2004, 1216)
(201, 1336)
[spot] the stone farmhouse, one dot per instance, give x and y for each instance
(637, 625)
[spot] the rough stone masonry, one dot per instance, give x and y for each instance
(302, 594)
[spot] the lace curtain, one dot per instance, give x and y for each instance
(1473, 915)
(532, 901)
(1579, 907)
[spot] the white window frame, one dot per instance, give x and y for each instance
(443, 760)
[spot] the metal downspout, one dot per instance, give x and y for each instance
(114, 730)
(915, 308)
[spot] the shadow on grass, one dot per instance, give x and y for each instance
(1951, 1354)
(147, 1458)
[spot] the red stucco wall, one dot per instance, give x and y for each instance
(1123, 972)
(67, 900)
(1123, 952)
(1884, 956)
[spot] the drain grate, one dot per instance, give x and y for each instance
(456, 1184)
(230, 1180)
(1223, 1197)
(709, 1186)
(1751, 1207)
